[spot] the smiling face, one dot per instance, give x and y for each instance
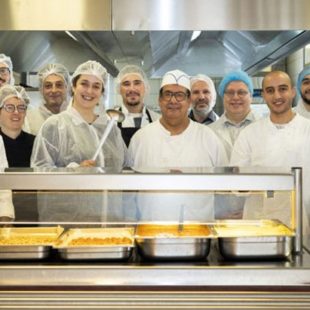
(278, 94)
(54, 91)
(174, 110)
(12, 121)
(237, 100)
(305, 89)
(87, 90)
(201, 97)
(132, 90)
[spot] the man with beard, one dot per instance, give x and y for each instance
(203, 98)
(132, 84)
(303, 87)
(54, 85)
(6, 70)
(281, 139)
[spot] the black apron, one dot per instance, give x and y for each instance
(128, 132)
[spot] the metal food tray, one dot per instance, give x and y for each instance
(90, 251)
(266, 239)
(163, 246)
(39, 241)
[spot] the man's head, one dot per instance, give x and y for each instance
(236, 89)
(303, 84)
(132, 84)
(54, 85)
(13, 107)
(174, 97)
(278, 93)
(6, 70)
(203, 94)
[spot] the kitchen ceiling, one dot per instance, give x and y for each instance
(212, 52)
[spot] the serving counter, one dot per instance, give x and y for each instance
(211, 283)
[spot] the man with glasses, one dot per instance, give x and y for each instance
(54, 86)
(236, 90)
(18, 144)
(303, 87)
(175, 141)
(132, 84)
(6, 70)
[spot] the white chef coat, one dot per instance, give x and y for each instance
(228, 131)
(301, 109)
(6, 203)
(266, 144)
(197, 146)
(35, 118)
(153, 146)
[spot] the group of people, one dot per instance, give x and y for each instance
(186, 133)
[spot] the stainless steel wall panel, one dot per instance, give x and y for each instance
(55, 15)
(210, 14)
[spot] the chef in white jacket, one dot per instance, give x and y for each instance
(303, 87)
(279, 140)
(6, 204)
(175, 142)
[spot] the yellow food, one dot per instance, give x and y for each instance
(172, 231)
(90, 241)
(27, 240)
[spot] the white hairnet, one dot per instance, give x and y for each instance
(9, 91)
(128, 70)
(204, 78)
(57, 69)
(7, 60)
(92, 67)
(177, 77)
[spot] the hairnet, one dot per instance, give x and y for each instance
(57, 69)
(132, 69)
(235, 76)
(9, 91)
(7, 60)
(91, 67)
(301, 76)
(204, 78)
(177, 77)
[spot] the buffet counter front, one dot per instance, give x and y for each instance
(214, 267)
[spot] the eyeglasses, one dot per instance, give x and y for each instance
(179, 96)
(240, 93)
(11, 108)
(4, 70)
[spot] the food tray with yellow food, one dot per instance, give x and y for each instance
(27, 242)
(254, 239)
(96, 243)
(174, 241)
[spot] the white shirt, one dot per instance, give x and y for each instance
(301, 109)
(228, 132)
(266, 144)
(197, 146)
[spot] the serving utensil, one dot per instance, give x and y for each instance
(115, 117)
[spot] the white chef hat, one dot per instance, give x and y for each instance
(177, 77)
(205, 78)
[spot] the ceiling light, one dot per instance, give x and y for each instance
(71, 35)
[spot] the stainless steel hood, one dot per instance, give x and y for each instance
(154, 34)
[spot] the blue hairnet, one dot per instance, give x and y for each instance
(301, 76)
(235, 76)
